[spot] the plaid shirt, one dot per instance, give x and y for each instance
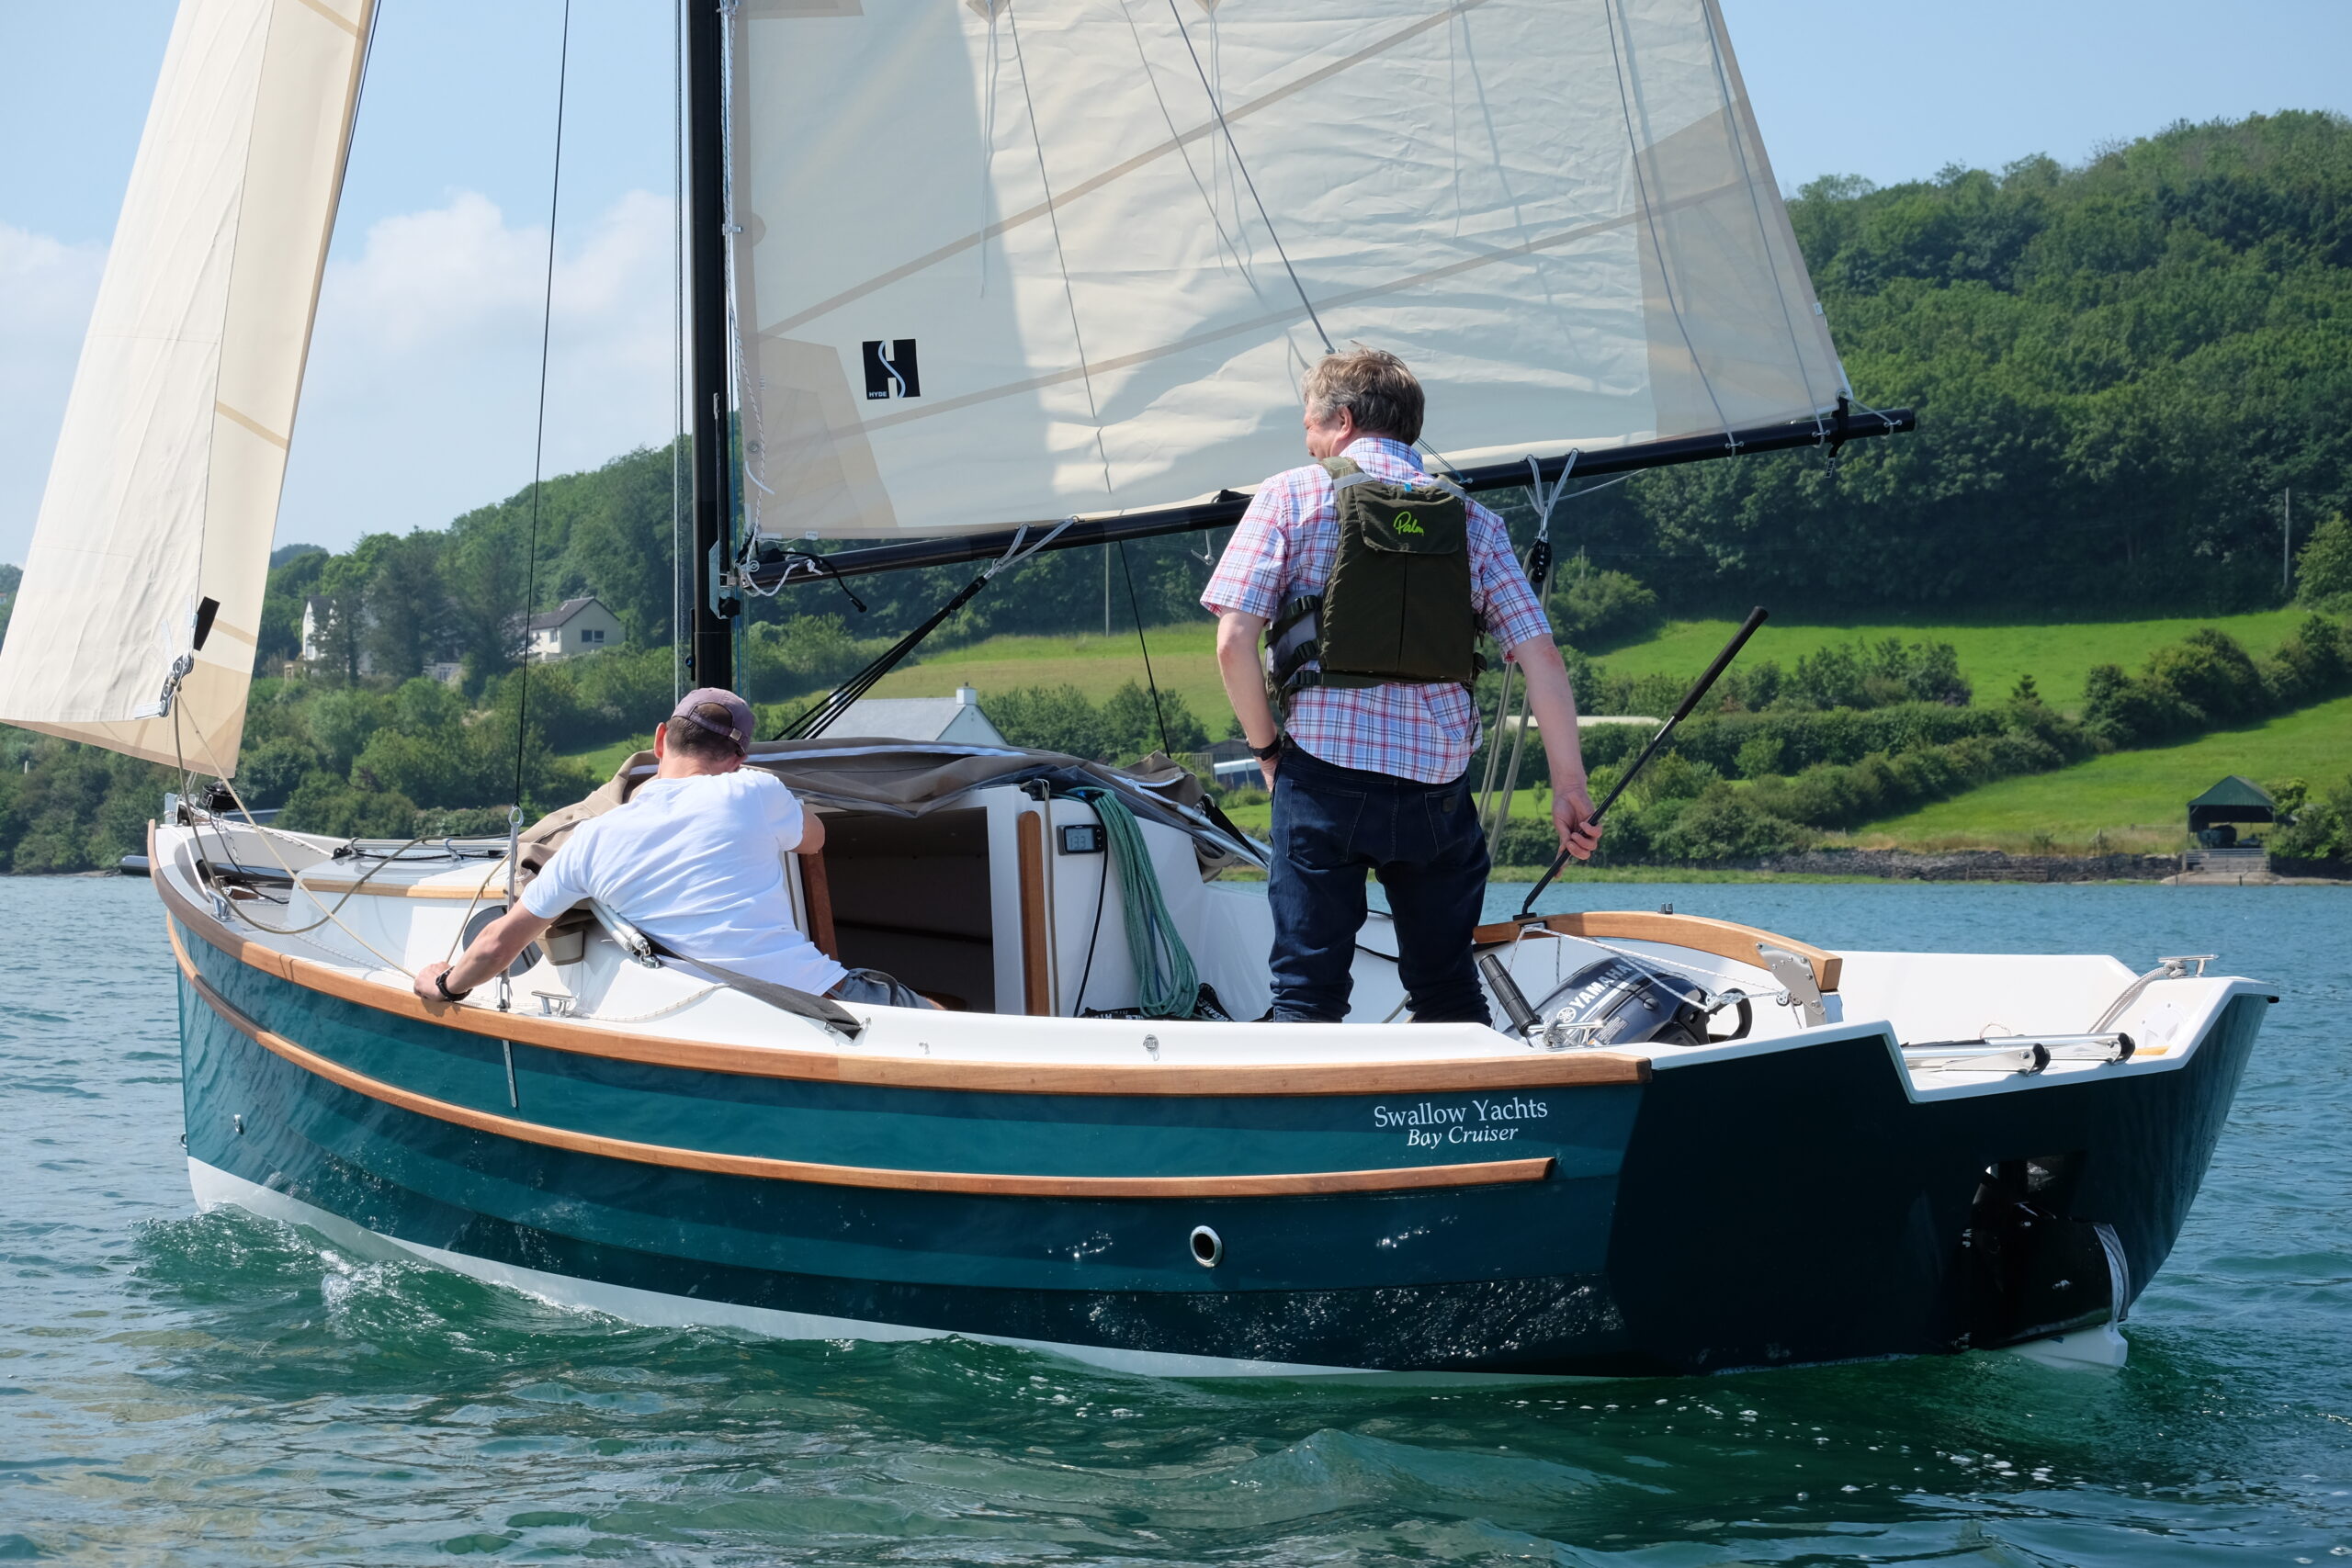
(1287, 545)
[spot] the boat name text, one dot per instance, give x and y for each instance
(1427, 1125)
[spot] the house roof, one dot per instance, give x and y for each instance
(2237, 791)
(917, 718)
(547, 620)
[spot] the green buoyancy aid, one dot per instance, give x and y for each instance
(1398, 608)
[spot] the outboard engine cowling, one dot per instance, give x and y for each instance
(1617, 1001)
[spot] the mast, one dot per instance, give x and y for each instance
(711, 650)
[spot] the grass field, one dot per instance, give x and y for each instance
(1992, 655)
(2137, 799)
(1184, 659)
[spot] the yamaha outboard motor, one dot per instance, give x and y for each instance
(1619, 1002)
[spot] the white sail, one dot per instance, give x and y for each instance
(162, 494)
(1001, 261)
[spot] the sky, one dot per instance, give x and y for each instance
(420, 403)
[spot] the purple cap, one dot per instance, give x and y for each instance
(736, 726)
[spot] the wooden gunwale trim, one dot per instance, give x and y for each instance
(1531, 1069)
(1724, 939)
(493, 888)
(1487, 1173)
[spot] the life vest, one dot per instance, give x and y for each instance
(1397, 607)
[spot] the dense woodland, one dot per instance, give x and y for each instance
(2120, 369)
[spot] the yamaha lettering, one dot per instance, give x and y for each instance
(890, 368)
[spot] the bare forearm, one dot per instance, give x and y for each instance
(496, 948)
(1552, 700)
(1245, 682)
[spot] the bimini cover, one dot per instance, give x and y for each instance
(152, 543)
(911, 778)
(1005, 261)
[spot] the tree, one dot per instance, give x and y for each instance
(2324, 565)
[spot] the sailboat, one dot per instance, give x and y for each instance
(976, 279)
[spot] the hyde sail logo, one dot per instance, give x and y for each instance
(890, 368)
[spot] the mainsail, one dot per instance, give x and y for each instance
(998, 261)
(153, 537)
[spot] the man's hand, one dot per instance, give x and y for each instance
(423, 986)
(1572, 816)
(1266, 766)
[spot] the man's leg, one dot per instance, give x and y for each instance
(1436, 888)
(1316, 886)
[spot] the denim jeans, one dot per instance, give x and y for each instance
(1332, 825)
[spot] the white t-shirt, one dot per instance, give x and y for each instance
(696, 863)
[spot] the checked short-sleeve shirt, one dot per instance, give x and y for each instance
(1285, 547)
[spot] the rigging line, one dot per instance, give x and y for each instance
(1231, 243)
(1756, 205)
(1135, 608)
(1649, 219)
(1061, 258)
(539, 445)
(1248, 179)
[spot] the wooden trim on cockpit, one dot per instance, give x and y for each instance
(1522, 1068)
(1305, 1183)
(1724, 939)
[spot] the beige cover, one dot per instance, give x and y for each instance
(164, 491)
(1559, 211)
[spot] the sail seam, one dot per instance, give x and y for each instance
(1061, 258)
(1094, 182)
(1756, 204)
(1248, 179)
(1649, 218)
(1451, 269)
(236, 416)
(328, 12)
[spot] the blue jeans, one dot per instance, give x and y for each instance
(1332, 826)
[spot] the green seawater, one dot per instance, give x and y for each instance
(221, 1390)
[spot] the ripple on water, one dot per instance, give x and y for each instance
(221, 1389)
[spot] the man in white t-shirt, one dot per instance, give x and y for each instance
(694, 859)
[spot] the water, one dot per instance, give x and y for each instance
(222, 1390)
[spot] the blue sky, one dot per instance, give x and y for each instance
(419, 403)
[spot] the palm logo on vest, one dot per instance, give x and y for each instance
(890, 368)
(1407, 523)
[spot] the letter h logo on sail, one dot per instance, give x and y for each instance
(890, 368)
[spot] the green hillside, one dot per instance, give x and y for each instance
(1992, 654)
(2135, 799)
(1184, 659)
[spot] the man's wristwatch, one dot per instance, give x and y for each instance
(441, 983)
(1266, 753)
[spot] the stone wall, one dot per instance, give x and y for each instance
(1971, 865)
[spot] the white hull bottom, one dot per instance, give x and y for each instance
(2098, 1348)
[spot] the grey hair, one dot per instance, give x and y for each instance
(1371, 384)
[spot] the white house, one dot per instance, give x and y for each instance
(576, 626)
(918, 719)
(315, 647)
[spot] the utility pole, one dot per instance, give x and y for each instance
(1106, 592)
(713, 645)
(2287, 543)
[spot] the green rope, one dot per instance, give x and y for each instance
(1167, 986)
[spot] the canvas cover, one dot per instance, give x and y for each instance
(908, 778)
(1004, 261)
(162, 494)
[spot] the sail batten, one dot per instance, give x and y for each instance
(1557, 211)
(152, 541)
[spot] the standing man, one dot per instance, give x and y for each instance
(1377, 581)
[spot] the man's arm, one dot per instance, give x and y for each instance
(1551, 703)
(1239, 662)
(500, 943)
(812, 833)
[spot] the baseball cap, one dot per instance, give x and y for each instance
(736, 726)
